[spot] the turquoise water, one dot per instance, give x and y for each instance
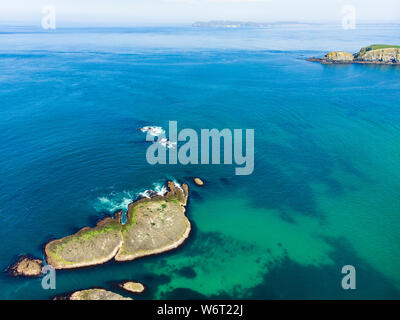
(324, 192)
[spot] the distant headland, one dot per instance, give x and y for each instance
(374, 54)
(246, 24)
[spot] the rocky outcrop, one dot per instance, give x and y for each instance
(198, 182)
(27, 267)
(134, 287)
(154, 225)
(89, 246)
(96, 294)
(375, 54)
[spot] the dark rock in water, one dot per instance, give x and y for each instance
(225, 181)
(187, 272)
(196, 195)
(184, 294)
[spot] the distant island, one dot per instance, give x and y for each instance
(245, 24)
(374, 54)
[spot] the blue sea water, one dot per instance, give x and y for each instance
(324, 192)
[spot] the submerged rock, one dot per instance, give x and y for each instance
(27, 266)
(135, 287)
(153, 225)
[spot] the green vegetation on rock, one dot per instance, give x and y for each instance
(379, 54)
(373, 54)
(87, 246)
(153, 226)
(378, 46)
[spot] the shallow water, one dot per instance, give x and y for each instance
(324, 192)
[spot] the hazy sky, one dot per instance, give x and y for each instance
(137, 12)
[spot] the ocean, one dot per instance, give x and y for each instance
(325, 188)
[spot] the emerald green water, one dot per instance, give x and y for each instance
(355, 206)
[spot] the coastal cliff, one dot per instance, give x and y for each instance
(154, 225)
(374, 54)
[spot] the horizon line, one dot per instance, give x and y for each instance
(65, 24)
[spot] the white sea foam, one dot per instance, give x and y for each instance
(158, 189)
(158, 131)
(166, 143)
(114, 201)
(144, 194)
(161, 190)
(121, 200)
(154, 131)
(177, 184)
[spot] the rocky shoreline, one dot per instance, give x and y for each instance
(374, 54)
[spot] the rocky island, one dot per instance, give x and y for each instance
(27, 267)
(154, 225)
(198, 182)
(134, 287)
(374, 54)
(92, 294)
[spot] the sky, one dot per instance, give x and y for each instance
(158, 12)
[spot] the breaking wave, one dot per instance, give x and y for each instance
(121, 200)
